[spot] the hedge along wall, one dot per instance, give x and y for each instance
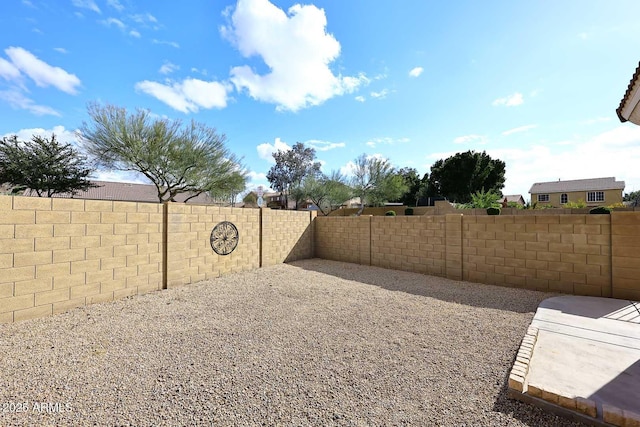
(56, 254)
(595, 255)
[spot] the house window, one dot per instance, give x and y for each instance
(595, 196)
(543, 197)
(564, 198)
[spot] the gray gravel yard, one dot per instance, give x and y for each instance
(313, 342)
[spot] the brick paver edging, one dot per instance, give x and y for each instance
(519, 384)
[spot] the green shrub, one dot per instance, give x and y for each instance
(600, 210)
(515, 205)
(493, 211)
(483, 200)
(580, 204)
(616, 205)
(390, 213)
(408, 211)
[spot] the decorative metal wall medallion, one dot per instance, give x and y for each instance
(224, 238)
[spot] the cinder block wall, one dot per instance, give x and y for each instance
(411, 243)
(189, 255)
(561, 253)
(345, 239)
(625, 245)
(286, 236)
(56, 254)
(266, 237)
(580, 254)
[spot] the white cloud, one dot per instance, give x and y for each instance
(295, 47)
(415, 72)
(119, 176)
(113, 22)
(144, 18)
(199, 71)
(386, 141)
(470, 139)
(519, 129)
(380, 95)
(266, 150)
(348, 169)
(86, 4)
(596, 120)
(360, 98)
(16, 99)
(324, 145)
(116, 5)
(172, 44)
(61, 50)
(257, 176)
(134, 33)
(190, 95)
(62, 135)
(168, 68)
(8, 71)
(42, 73)
(509, 101)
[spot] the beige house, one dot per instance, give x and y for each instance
(594, 191)
(629, 109)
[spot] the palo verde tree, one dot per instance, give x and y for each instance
(43, 165)
(290, 169)
(177, 158)
(327, 192)
(463, 174)
(375, 181)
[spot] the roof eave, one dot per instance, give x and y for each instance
(629, 103)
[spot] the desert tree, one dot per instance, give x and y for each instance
(177, 158)
(463, 174)
(290, 169)
(375, 181)
(44, 165)
(327, 192)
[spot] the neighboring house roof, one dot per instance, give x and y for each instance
(126, 192)
(592, 184)
(629, 109)
(513, 198)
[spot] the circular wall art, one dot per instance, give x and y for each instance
(224, 238)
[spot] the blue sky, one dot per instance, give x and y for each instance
(535, 84)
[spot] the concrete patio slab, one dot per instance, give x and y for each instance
(581, 358)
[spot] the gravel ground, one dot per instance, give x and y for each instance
(313, 342)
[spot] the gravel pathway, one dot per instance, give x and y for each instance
(313, 342)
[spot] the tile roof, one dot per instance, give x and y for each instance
(591, 184)
(635, 79)
(127, 192)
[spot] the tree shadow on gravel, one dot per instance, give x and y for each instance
(467, 293)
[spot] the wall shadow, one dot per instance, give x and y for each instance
(466, 293)
(303, 248)
(595, 307)
(623, 391)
